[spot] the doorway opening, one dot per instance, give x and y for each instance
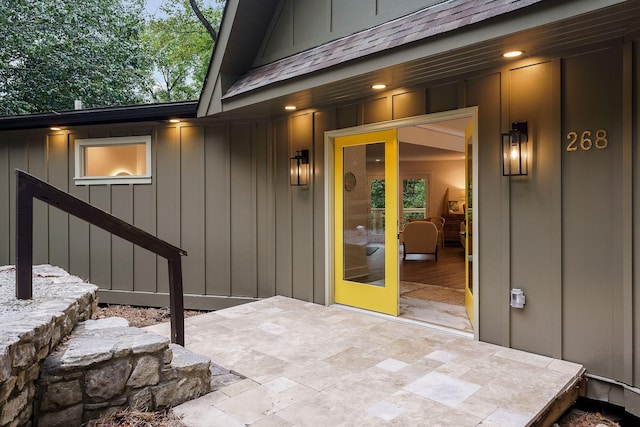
(432, 288)
(432, 183)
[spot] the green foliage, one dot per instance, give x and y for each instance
(180, 48)
(103, 52)
(377, 193)
(413, 197)
(413, 193)
(56, 51)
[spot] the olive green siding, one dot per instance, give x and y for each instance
(300, 24)
(593, 216)
(205, 190)
(566, 233)
(5, 197)
(559, 233)
(535, 214)
(493, 209)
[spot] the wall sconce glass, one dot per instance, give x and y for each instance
(300, 168)
(514, 150)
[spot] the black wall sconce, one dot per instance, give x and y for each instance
(300, 168)
(515, 157)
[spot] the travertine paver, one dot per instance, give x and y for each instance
(311, 365)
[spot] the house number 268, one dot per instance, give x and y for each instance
(587, 140)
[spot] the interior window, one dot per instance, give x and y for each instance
(414, 199)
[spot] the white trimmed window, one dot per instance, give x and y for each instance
(123, 160)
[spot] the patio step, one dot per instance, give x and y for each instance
(105, 365)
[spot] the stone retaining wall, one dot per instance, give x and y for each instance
(106, 365)
(51, 376)
(31, 329)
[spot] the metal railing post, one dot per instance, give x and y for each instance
(176, 300)
(24, 239)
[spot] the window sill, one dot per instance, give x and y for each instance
(111, 180)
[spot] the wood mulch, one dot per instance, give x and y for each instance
(131, 418)
(577, 418)
(139, 317)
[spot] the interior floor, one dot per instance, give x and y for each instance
(447, 271)
(430, 291)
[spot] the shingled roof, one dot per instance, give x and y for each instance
(434, 20)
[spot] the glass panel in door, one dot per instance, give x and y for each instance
(366, 251)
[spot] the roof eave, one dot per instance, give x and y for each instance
(101, 116)
(213, 70)
(491, 32)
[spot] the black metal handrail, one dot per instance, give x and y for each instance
(29, 187)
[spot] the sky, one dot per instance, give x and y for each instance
(153, 6)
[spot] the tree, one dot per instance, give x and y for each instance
(413, 193)
(377, 193)
(413, 197)
(57, 51)
(180, 47)
(203, 20)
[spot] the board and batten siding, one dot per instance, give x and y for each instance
(562, 233)
(298, 25)
(596, 209)
(212, 194)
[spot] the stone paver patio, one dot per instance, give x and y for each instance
(311, 365)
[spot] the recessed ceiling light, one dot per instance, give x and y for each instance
(512, 54)
(55, 128)
(289, 107)
(378, 86)
(174, 120)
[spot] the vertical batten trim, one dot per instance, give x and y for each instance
(636, 220)
(5, 217)
(627, 211)
(178, 129)
(505, 190)
(556, 200)
(229, 189)
(290, 150)
(271, 205)
(312, 200)
(253, 135)
(46, 178)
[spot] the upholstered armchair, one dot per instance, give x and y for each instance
(439, 222)
(420, 237)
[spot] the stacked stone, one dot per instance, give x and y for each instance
(106, 365)
(31, 329)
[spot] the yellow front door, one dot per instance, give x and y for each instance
(366, 221)
(468, 291)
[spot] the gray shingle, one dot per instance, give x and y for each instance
(437, 19)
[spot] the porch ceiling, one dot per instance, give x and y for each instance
(550, 28)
